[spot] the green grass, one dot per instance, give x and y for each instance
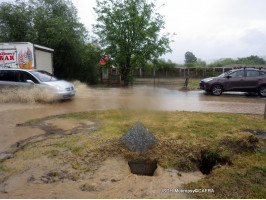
(193, 83)
(176, 124)
(182, 139)
(246, 178)
(3, 168)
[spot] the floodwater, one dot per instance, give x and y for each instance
(25, 106)
(112, 180)
(113, 177)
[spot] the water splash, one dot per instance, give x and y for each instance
(26, 95)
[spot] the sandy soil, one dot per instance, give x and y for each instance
(50, 177)
(112, 180)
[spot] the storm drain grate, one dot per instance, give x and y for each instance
(142, 168)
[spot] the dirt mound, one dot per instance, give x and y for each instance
(248, 144)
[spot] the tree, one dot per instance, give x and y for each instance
(53, 24)
(190, 57)
(201, 63)
(15, 22)
(251, 60)
(222, 62)
(129, 32)
(56, 25)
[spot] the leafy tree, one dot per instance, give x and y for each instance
(56, 25)
(164, 65)
(201, 63)
(129, 32)
(251, 60)
(223, 62)
(53, 24)
(190, 65)
(89, 69)
(190, 57)
(15, 22)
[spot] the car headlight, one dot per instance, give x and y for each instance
(58, 88)
(207, 80)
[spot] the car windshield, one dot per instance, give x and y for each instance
(225, 74)
(44, 76)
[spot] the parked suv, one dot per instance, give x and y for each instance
(25, 78)
(244, 79)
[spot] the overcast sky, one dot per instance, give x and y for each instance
(211, 29)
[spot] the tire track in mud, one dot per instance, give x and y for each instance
(51, 131)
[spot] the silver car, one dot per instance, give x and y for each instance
(29, 78)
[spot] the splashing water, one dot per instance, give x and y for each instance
(36, 94)
(26, 95)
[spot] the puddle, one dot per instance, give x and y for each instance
(112, 180)
(45, 129)
(69, 124)
(258, 133)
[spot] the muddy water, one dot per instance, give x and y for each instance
(113, 179)
(23, 106)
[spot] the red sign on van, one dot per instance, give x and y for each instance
(7, 56)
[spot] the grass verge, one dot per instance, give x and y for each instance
(187, 141)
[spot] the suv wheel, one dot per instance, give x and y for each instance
(217, 90)
(262, 91)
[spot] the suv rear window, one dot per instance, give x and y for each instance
(252, 73)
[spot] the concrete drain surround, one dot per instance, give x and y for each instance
(142, 168)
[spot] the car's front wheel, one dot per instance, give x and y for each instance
(217, 90)
(262, 91)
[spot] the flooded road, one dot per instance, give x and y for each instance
(139, 97)
(113, 179)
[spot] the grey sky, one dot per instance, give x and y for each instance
(211, 29)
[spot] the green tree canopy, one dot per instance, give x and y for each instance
(129, 31)
(53, 24)
(16, 22)
(190, 57)
(251, 60)
(201, 63)
(222, 62)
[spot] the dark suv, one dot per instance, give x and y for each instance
(243, 79)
